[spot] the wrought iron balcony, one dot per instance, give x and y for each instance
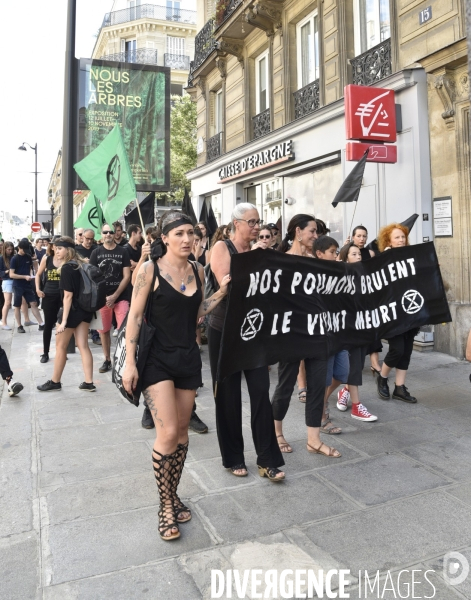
(373, 65)
(306, 100)
(261, 124)
(190, 74)
(144, 56)
(204, 44)
(177, 61)
(224, 9)
(149, 11)
(214, 147)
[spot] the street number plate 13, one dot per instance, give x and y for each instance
(425, 15)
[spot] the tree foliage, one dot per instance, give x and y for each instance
(182, 143)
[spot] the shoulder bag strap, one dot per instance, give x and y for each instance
(148, 308)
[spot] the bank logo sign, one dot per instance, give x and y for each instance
(274, 155)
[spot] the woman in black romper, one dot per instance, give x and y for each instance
(173, 367)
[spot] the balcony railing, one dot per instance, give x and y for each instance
(214, 147)
(149, 11)
(261, 124)
(373, 65)
(176, 61)
(204, 44)
(306, 100)
(143, 56)
(224, 9)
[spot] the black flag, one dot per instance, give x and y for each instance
(187, 207)
(207, 216)
(147, 212)
(350, 188)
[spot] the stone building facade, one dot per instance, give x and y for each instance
(271, 72)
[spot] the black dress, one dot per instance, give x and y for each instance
(70, 282)
(174, 354)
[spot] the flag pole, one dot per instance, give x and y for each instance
(140, 216)
(354, 211)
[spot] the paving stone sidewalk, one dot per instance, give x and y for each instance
(78, 501)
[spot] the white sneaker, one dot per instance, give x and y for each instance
(14, 388)
(115, 333)
(361, 413)
(6, 327)
(343, 396)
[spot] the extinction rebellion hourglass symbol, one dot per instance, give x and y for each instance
(251, 325)
(113, 173)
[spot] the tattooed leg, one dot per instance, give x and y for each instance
(160, 399)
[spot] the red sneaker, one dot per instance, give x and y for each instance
(343, 396)
(361, 413)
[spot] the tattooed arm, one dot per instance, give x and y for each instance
(209, 304)
(140, 293)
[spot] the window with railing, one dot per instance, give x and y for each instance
(371, 22)
(373, 65)
(306, 98)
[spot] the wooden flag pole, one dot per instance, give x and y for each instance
(140, 216)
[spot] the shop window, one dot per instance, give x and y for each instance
(307, 43)
(261, 83)
(312, 193)
(215, 201)
(372, 24)
(267, 197)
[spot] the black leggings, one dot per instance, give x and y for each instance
(229, 412)
(316, 372)
(50, 305)
(400, 350)
(5, 370)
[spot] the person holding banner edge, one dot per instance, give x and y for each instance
(228, 394)
(173, 368)
(393, 236)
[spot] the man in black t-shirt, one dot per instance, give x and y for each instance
(134, 245)
(87, 246)
(119, 235)
(113, 261)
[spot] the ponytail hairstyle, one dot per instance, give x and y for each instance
(300, 221)
(71, 254)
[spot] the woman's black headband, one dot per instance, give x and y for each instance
(183, 220)
(64, 244)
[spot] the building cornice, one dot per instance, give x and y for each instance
(397, 81)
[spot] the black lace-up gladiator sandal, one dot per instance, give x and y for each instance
(180, 508)
(165, 476)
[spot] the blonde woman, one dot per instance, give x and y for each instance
(73, 320)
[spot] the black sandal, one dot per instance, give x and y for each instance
(270, 472)
(179, 507)
(165, 477)
(239, 468)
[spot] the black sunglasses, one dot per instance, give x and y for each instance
(264, 237)
(111, 232)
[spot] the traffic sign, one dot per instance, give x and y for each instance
(379, 153)
(36, 227)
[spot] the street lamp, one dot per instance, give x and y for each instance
(35, 148)
(31, 209)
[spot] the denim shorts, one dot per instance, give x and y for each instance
(338, 367)
(7, 286)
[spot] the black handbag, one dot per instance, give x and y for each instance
(146, 334)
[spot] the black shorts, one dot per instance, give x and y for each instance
(155, 373)
(23, 292)
(76, 316)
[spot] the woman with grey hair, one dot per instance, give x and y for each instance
(228, 395)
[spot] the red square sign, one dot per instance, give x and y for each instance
(381, 153)
(370, 114)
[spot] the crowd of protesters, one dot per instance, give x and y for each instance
(170, 268)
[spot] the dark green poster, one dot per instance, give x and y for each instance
(138, 98)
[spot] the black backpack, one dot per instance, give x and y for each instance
(92, 294)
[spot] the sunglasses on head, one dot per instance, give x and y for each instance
(111, 232)
(264, 237)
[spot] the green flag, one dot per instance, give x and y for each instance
(91, 216)
(108, 175)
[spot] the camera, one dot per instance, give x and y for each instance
(290, 201)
